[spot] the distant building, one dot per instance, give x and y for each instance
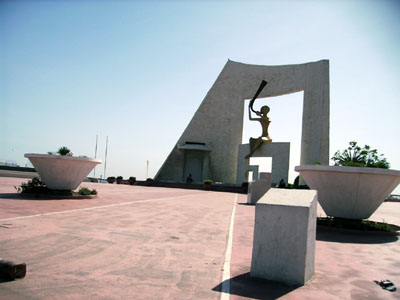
(9, 163)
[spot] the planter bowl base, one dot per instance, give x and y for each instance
(350, 192)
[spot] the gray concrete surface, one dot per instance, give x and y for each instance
(284, 236)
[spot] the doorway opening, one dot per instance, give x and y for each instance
(264, 165)
(193, 165)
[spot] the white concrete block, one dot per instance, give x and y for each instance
(284, 236)
(258, 188)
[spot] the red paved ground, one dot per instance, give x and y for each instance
(157, 243)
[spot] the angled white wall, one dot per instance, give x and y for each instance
(218, 122)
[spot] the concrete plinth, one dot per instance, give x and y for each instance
(284, 236)
(280, 153)
(258, 188)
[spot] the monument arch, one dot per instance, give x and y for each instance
(216, 128)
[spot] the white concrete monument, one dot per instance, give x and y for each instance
(208, 148)
(284, 236)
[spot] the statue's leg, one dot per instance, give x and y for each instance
(257, 144)
(251, 144)
(254, 145)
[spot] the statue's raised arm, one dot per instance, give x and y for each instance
(264, 121)
(260, 88)
(257, 113)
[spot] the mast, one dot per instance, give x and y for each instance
(95, 156)
(105, 160)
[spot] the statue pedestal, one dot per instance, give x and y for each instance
(280, 161)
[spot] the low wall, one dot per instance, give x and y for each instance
(21, 169)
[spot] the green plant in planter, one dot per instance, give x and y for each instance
(355, 156)
(208, 181)
(64, 151)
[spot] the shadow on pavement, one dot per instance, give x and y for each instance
(3, 280)
(245, 203)
(353, 237)
(10, 196)
(34, 197)
(245, 286)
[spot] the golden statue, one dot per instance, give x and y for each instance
(264, 121)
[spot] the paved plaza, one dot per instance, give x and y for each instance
(137, 242)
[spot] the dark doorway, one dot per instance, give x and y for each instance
(193, 165)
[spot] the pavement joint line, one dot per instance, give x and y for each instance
(226, 281)
(96, 207)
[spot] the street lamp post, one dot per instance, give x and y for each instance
(147, 169)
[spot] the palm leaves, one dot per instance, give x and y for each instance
(64, 151)
(356, 156)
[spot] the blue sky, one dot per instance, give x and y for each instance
(136, 71)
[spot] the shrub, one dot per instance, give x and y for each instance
(356, 156)
(208, 181)
(290, 186)
(362, 225)
(64, 151)
(132, 180)
(111, 179)
(85, 191)
(32, 186)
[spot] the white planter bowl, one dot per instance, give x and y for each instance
(350, 192)
(62, 172)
